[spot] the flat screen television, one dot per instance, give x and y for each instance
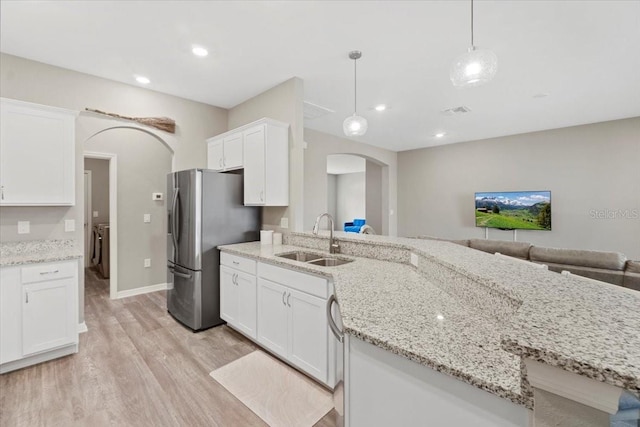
(514, 210)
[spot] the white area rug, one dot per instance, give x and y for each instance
(278, 394)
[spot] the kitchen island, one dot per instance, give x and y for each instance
(476, 317)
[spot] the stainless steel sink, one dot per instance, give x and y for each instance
(300, 256)
(330, 262)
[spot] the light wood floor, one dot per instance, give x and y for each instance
(136, 367)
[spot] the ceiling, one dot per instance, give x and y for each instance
(583, 55)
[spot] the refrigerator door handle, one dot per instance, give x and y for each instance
(177, 273)
(174, 227)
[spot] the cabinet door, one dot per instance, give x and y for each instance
(215, 155)
(272, 316)
(308, 333)
(48, 315)
(37, 155)
(228, 295)
(247, 303)
(233, 152)
(254, 166)
(10, 315)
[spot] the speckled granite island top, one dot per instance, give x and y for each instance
(472, 315)
(36, 251)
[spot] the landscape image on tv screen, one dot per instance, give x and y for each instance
(514, 210)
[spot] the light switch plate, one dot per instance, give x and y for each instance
(69, 225)
(284, 222)
(147, 262)
(24, 227)
(95, 214)
(147, 217)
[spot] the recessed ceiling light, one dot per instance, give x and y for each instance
(143, 80)
(380, 107)
(439, 134)
(200, 51)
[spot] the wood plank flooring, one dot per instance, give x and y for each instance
(136, 367)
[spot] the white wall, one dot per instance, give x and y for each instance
(99, 189)
(283, 103)
(45, 84)
(591, 170)
(319, 145)
(350, 198)
(374, 196)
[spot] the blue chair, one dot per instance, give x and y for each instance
(355, 226)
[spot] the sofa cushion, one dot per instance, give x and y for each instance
(632, 267)
(514, 249)
(632, 275)
(461, 242)
(615, 277)
(576, 257)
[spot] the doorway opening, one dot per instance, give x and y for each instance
(100, 218)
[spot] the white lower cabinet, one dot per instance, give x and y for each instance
(238, 299)
(283, 310)
(38, 313)
(292, 323)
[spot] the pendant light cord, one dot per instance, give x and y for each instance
(355, 86)
(471, 23)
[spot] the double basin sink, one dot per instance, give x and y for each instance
(315, 259)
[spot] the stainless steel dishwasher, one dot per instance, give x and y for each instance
(335, 324)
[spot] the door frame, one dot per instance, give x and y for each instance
(113, 216)
(88, 218)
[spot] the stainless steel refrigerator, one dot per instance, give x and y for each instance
(205, 209)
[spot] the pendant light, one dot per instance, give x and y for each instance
(355, 125)
(474, 68)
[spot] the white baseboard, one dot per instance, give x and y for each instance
(82, 327)
(140, 291)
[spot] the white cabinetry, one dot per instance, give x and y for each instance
(286, 315)
(266, 171)
(38, 313)
(292, 323)
(262, 149)
(238, 293)
(225, 153)
(37, 155)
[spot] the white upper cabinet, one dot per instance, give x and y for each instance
(225, 153)
(262, 149)
(37, 155)
(266, 159)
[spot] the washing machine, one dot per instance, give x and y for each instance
(101, 247)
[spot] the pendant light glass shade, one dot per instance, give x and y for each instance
(474, 68)
(355, 125)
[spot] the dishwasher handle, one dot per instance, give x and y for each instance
(332, 324)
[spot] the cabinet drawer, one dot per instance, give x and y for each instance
(239, 263)
(49, 271)
(307, 283)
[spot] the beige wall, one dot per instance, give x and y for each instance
(374, 196)
(283, 103)
(319, 146)
(591, 170)
(45, 84)
(99, 189)
(143, 163)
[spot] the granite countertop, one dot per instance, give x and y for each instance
(37, 251)
(473, 315)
